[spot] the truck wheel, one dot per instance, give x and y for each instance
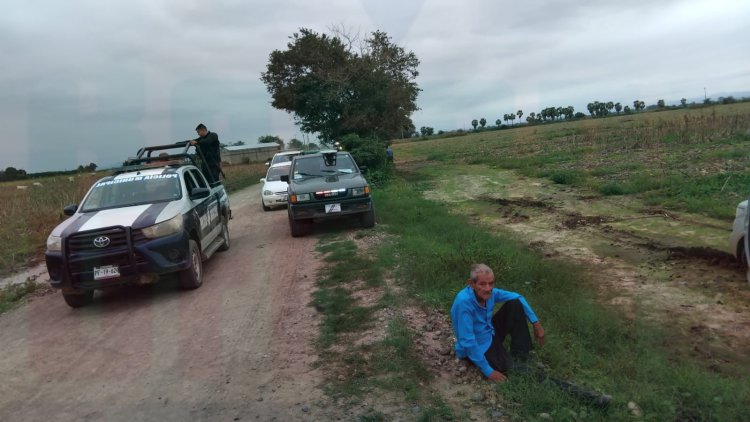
(368, 218)
(79, 300)
(192, 278)
(225, 234)
(299, 227)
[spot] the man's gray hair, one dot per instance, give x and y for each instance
(477, 269)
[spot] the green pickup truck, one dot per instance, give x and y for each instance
(323, 185)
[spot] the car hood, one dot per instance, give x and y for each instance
(137, 217)
(315, 184)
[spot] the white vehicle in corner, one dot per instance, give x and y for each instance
(282, 157)
(739, 238)
(273, 192)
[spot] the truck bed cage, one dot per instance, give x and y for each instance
(146, 158)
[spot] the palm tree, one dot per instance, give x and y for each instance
(683, 102)
(519, 113)
(498, 122)
(482, 122)
(474, 123)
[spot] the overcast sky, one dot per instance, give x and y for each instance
(93, 81)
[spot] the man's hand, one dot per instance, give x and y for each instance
(496, 376)
(192, 142)
(539, 333)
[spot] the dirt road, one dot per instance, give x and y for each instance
(238, 348)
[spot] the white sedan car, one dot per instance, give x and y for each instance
(273, 191)
(738, 240)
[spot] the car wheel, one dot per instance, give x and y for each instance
(368, 218)
(265, 208)
(79, 300)
(192, 278)
(225, 234)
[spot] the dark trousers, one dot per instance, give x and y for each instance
(211, 171)
(509, 320)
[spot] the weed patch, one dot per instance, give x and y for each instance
(13, 294)
(589, 344)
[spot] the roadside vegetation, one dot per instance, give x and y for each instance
(12, 295)
(426, 254)
(30, 212)
(365, 344)
(694, 160)
(688, 160)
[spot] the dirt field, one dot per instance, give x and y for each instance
(238, 348)
(673, 268)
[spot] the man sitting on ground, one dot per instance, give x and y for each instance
(479, 336)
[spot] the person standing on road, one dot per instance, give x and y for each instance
(480, 335)
(208, 142)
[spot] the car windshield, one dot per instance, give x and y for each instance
(316, 166)
(274, 173)
(130, 191)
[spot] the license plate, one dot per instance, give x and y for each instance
(110, 271)
(333, 208)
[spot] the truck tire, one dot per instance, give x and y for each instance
(79, 300)
(299, 227)
(368, 219)
(225, 234)
(192, 278)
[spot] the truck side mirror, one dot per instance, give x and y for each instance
(200, 193)
(70, 209)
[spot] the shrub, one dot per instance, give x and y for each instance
(367, 152)
(611, 189)
(567, 177)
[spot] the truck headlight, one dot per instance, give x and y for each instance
(165, 228)
(54, 243)
(363, 191)
(300, 197)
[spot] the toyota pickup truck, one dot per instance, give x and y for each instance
(157, 215)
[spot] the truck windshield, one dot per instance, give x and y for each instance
(316, 166)
(129, 191)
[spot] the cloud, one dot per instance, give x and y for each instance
(96, 80)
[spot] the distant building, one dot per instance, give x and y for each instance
(249, 153)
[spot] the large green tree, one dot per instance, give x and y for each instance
(334, 87)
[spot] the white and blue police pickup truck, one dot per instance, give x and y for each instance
(156, 215)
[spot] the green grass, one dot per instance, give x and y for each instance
(388, 365)
(12, 295)
(588, 344)
(676, 159)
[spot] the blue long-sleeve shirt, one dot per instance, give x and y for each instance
(472, 323)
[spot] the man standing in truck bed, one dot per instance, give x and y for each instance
(208, 142)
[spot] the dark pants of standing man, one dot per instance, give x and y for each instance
(509, 320)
